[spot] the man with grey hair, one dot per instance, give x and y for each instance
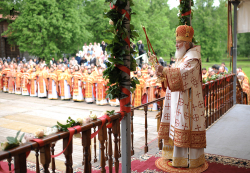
(183, 126)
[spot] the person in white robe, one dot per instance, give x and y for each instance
(183, 126)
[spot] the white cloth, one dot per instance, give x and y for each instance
(67, 94)
(25, 93)
(54, 94)
(5, 89)
(79, 96)
(44, 94)
(114, 103)
(19, 92)
(243, 17)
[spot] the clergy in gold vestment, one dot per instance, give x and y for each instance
(18, 76)
(33, 83)
(53, 85)
(10, 76)
(183, 125)
(65, 81)
(5, 78)
(24, 82)
(139, 91)
(243, 80)
(42, 82)
(151, 85)
(101, 89)
(1, 79)
(88, 86)
(77, 85)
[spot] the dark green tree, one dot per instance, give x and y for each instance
(243, 45)
(48, 28)
(153, 14)
(209, 24)
(95, 22)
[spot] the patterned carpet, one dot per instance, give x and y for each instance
(146, 164)
(217, 164)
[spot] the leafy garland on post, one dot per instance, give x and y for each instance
(184, 15)
(116, 48)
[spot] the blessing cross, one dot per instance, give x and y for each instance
(198, 127)
(185, 126)
(168, 96)
(181, 102)
(196, 117)
(200, 104)
(192, 71)
(194, 107)
(186, 116)
(198, 94)
(167, 116)
(178, 112)
(185, 84)
(177, 122)
(167, 106)
(184, 76)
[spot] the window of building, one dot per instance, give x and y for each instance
(12, 48)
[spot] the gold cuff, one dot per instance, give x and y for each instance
(164, 71)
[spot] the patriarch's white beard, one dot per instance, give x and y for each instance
(180, 53)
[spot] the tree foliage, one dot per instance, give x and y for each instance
(210, 26)
(243, 44)
(47, 28)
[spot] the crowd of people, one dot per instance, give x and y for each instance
(221, 70)
(81, 77)
(71, 81)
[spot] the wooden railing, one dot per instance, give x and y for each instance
(241, 97)
(45, 152)
(218, 99)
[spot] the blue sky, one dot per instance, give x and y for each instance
(175, 3)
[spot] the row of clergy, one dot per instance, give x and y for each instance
(77, 84)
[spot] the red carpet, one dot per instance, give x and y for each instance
(146, 163)
(5, 167)
(31, 167)
(217, 164)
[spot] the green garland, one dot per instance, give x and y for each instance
(116, 49)
(214, 77)
(184, 20)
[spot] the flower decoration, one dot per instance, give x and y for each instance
(39, 133)
(12, 142)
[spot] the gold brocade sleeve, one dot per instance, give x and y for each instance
(173, 79)
(163, 132)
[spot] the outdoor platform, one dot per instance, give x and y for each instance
(230, 135)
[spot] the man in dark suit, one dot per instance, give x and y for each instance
(78, 59)
(141, 50)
